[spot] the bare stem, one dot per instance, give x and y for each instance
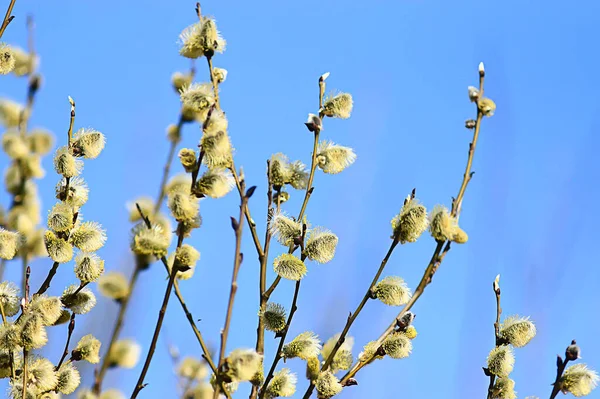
(440, 251)
(25, 371)
(123, 303)
(161, 315)
(278, 354)
(352, 317)
(497, 342)
(237, 262)
(46, 284)
(70, 333)
(213, 79)
(8, 17)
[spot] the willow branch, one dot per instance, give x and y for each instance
(352, 317)
(161, 315)
(440, 251)
(237, 262)
(188, 314)
(497, 339)
(278, 354)
(70, 333)
(123, 303)
(561, 365)
(8, 17)
(167, 168)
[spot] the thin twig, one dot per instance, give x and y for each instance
(7, 18)
(278, 354)
(70, 332)
(440, 251)
(161, 315)
(237, 262)
(497, 339)
(213, 79)
(188, 314)
(560, 367)
(123, 303)
(46, 284)
(352, 317)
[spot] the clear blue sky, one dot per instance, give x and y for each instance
(529, 209)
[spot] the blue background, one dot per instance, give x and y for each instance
(529, 210)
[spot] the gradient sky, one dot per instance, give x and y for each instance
(529, 209)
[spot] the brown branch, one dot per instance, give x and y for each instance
(161, 315)
(497, 339)
(237, 226)
(8, 17)
(440, 251)
(283, 334)
(352, 317)
(123, 303)
(188, 314)
(561, 365)
(70, 332)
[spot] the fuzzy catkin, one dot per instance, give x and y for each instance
(274, 317)
(88, 349)
(327, 385)
(320, 245)
(397, 345)
(501, 361)
(392, 290)
(10, 242)
(88, 236)
(578, 380)
(88, 143)
(68, 378)
(7, 59)
(59, 250)
(9, 298)
(125, 353)
(289, 267)
(79, 302)
(304, 346)
(283, 384)
(88, 267)
(113, 285)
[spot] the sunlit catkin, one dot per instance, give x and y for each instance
(39, 141)
(14, 145)
(88, 267)
(68, 378)
(74, 194)
(113, 285)
(183, 206)
(338, 106)
(88, 143)
(441, 225)
(146, 205)
(504, 388)
(220, 74)
(397, 345)
(80, 301)
(274, 317)
(149, 241)
(25, 63)
(517, 331)
(501, 361)
(411, 222)
(66, 164)
(289, 267)
(243, 364)
(578, 380)
(48, 309)
(215, 183)
(32, 334)
(59, 250)
(9, 298)
(285, 229)
(327, 385)
(343, 358)
(10, 241)
(187, 157)
(7, 59)
(304, 346)
(181, 80)
(192, 369)
(283, 384)
(42, 375)
(60, 217)
(320, 245)
(392, 290)
(125, 353)
(200, 39)
(217, 150)
(333, 158)
(10, 113)
(88, 236)
(198, 98)
(9, 336)
(88, 349)
(487, 106)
